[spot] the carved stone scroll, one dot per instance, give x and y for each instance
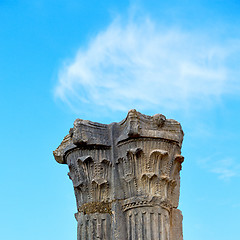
(126, 177)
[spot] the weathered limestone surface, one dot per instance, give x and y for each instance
(126, 177)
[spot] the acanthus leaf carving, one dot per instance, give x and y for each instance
(177, 165)
(91, 179)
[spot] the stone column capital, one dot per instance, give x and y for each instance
(126, 177)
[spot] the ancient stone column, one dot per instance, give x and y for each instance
(126, 177)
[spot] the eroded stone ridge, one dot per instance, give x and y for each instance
(126, 177)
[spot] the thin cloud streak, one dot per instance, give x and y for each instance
(225, 168)
(139, 64)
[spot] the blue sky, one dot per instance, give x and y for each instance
(62, 60)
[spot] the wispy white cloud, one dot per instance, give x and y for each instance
(143, 65)
(225, 168)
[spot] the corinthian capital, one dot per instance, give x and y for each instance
(126, 177)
